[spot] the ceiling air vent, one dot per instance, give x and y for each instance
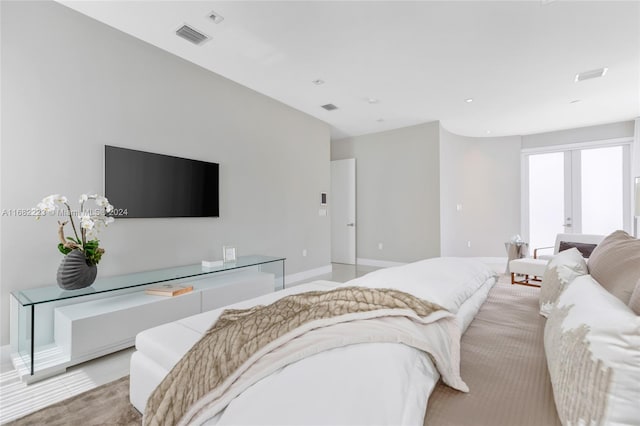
(192, 35)
(329, 107)
(591, 74)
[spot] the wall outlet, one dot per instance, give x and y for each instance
(304, 252)
(469, 244)
(380, 246)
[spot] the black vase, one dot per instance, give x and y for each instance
(75, 272)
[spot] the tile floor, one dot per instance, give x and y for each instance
(18, 399)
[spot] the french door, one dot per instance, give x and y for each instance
(585, 190)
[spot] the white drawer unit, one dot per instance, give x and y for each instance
(59, 332)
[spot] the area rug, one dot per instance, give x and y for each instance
(105, 405)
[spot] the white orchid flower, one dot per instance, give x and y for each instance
(47, 204)
(45, 207)
(86, 222)
(109, 208)
(83, 198)
(50, 199)
(61, 199)
(102, 201)
(108, 220)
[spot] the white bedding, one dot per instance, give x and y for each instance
(371, 383)
(447, 281)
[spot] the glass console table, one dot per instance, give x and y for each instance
(41, 346)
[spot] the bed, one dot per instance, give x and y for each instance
(364, 383)
(580, 365)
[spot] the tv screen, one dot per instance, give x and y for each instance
(142, 184)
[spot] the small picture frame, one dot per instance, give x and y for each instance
(228, 254)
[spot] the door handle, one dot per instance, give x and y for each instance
(568, 225)
(351, 224)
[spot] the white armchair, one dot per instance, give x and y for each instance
(532, 269)
(571, 239)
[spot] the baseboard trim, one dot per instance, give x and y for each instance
(379, 263)
(305, 275)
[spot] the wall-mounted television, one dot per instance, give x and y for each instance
(143, 184)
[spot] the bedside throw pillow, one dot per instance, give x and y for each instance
(592, 343)
(634, 302)
(561, 271)
(615, 264)
(584, 248)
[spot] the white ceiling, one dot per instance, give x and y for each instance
(517, 60)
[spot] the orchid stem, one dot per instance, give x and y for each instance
(82, 230)
(73, 225)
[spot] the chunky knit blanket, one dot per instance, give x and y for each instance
(244, 346)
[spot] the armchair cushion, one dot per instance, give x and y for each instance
(585, 248)
(576, 238)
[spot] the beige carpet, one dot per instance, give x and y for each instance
(105, 405)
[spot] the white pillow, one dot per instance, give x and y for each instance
(592, 343)
(561, 271)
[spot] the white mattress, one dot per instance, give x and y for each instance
(393, 384)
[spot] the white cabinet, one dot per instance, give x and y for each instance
(65, 328)
(90, 329)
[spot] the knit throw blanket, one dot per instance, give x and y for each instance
(245, 345)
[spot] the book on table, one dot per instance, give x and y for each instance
(168, 290)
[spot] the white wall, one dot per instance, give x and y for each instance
(70, 85)
(483, 175)
(582, 134)
(397, 185)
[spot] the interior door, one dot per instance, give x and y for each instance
(342, 207)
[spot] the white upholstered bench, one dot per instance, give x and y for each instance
(531, 268)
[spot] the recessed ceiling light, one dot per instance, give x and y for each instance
(329, 107)
(468, 100)
(587, 75)
(575, 101)
(373, 100)
(488, 132)
(216, 17)
(318, 82)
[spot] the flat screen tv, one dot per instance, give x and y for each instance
(142, 185)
